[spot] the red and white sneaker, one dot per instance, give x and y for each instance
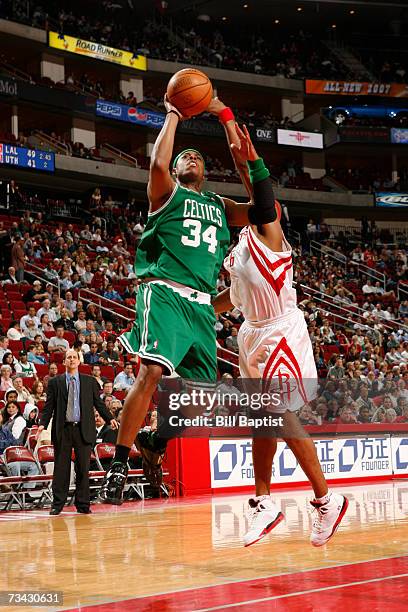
(264, 516)
(327, 519)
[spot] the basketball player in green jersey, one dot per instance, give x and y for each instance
(178, 259)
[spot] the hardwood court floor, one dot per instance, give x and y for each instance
(187, 555)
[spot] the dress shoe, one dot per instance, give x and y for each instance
(84, 511)
(55, 511)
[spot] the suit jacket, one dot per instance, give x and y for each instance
(55, 407)
(107, 434)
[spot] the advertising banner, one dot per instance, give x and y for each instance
(364, 134)
(8, 87)
(391, 200)
(96, 50)
(21, 157)
(296, 138)
(399, 450)
(231, 460)
(399, 136)
(130, 114)
(356, 88)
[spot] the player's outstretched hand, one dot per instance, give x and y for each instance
(215, 107)
(246, 150)
(170, 107)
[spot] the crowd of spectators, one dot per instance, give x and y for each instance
(296, 55)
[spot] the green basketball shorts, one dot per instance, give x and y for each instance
(174, 327)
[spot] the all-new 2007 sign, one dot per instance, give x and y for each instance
(96, 50)
(231, 460)
(356, 88)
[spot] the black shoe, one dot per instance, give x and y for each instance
(55, 511)
(152, 456)
(84, 510)
(111, 491)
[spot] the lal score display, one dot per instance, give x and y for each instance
(27, 158)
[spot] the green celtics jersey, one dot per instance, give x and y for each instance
(185, 240)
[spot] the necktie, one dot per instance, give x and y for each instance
(71, 403)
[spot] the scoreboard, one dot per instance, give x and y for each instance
(21, 157)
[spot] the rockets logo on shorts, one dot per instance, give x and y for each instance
(282, 371)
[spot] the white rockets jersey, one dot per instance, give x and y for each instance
(261, 280)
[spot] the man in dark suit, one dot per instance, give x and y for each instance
(71, 399)
(104, 432)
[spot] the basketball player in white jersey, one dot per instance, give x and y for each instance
(274, 346)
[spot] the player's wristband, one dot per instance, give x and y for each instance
(257, 170)
(175, 112)
(226, 115)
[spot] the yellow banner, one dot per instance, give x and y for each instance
(97, 51)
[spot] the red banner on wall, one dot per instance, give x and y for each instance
(356, 88)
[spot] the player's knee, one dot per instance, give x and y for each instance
(149, 375)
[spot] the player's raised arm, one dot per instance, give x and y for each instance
(161, 183)
(264, 215)
(227, 119)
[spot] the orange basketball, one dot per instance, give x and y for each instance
(190, 91)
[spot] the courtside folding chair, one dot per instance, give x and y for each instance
(17, 454)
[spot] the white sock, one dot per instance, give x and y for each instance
(262, 497)
(325, 499)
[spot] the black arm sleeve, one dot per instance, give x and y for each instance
(264, 209)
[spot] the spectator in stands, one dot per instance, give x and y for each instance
(107, 389)
(337, 371)
(4, 346)
(11, 277)
(346, 415)
(37, 392)
(379, 415)
(24, 367)
(65, 321)
(80, 323)
(104, 432)
(6, 382)
(307, 417)
(14, 331)
(111, 294)
(36, 355)
(403, 418)
(8, 360)
(30, 415)
(6, 437)
(110, 355)
(231, 342)
(35, 293)
(14, 421)
(125, 379)
(390, 415)
(52, 372)
(45, 324)
(93, 356)
(119, 249)
(58, 344)
(364, 415)
(23, 394)
(96, 373)
(226, 387)
(30, 316)
(46, 309)
(70, 304)
(18, 258)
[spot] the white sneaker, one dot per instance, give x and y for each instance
(264, 516)
(327, 519)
